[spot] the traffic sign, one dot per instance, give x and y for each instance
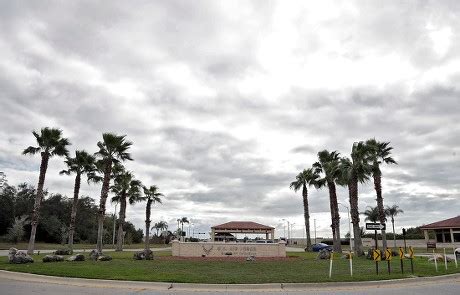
(411, 252)
(401, 253)
(377, 255)
(388, 254)
(376, 226)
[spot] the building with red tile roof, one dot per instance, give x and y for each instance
(246, 227)
(447, 231)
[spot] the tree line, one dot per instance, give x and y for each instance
(363, 165)
(104, 167)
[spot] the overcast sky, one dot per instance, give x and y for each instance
(226, 101)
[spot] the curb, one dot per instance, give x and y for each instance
(164, 286)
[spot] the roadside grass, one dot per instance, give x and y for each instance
(48, 246)
(297, 268)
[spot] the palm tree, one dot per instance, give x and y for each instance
(112, 149)
(160, 225)
(392, 212)
(182, 221)
(83, 163)
(151, 195)
(354, 171)
(125, 188)
(329, 165)
(305, 178)
(380, 153)
(50, 143)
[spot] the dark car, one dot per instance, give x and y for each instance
(320, 246)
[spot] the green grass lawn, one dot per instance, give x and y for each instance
(297, 268)
(48, 246)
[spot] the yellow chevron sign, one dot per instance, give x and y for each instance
(401, 253)
(411, 252)
(377, 255)
(388, 254)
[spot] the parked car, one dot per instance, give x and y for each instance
(320, 246)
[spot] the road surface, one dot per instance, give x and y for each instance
(16, 283)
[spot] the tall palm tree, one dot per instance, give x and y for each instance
(354, 171)
(305, 178)
(380, 154)
(113, 149)
(82, 163)
(182, 221)
(50, 143)
(125, 188)
(329, 165)
(160, 225)
(392, 212)
(151, 195)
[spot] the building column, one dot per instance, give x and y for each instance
(425, 233)
(273, 235)
(213, 234)
(266, 236)
(452, 237)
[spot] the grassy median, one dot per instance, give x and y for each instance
(296, 268)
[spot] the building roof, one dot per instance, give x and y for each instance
(238, 225)
(448, 223)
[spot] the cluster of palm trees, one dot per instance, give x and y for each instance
(103, 166)
(331, 170)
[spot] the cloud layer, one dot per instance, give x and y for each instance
(226, 101)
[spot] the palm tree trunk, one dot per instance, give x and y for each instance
(148, 209)
(306, 214)
(335, 217)
(394, 234)
(382, 218)
(73, 215)
(38, 200)
(104, 195)
(121, 223)
(354, 212)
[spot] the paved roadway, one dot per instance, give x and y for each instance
(16, 283)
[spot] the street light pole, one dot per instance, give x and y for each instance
(114, 216)
(349, 224)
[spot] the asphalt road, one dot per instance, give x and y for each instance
(15, 283)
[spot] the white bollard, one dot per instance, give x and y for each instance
(330, 264)
(445, 258)
(351, 264)
(435, 261)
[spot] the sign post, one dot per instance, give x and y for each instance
(376, 227)
(377, 255)
(401, 257)
(411, 256)
(388, 256)
(330, 264)
(435, 261)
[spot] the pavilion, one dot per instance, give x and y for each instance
(244, 227)
(447, 231)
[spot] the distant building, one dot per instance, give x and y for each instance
(224, 231)
(447, 231)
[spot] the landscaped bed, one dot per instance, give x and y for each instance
(296, 268)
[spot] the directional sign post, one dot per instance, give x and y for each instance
(401, 257)
(375, 227)
(388, 256)
(411, 256)
(377, 255)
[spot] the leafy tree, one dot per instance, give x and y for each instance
(380, 154)
(16, 231)
(112, 149)
(329, 165)
(151, 195)
(354, 171)
(50, 143)
(83, 163)
(305, 178)
(125, 188)
(392, 212)
(7, 207)
(3, 180)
